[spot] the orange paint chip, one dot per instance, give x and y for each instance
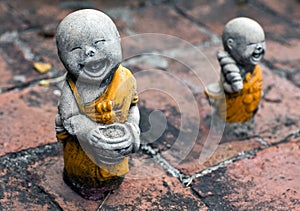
(42, 67)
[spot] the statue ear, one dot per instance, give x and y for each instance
(230, 43)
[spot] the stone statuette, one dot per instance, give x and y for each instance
(98, 117)
(241, 77)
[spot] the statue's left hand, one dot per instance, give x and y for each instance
(135, 135)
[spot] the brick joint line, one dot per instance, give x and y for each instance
(265, 8)
(240, 156)
(163, 163)
(187, 180)
(214, 38)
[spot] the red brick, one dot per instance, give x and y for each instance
(273, 173)
(145, 187)
(284, 59)
(15, 64)
(27, 118)
(18, 189)
(171, 31)
(223, 152)
(288, 11)
(5, 75)
(278, 115)
(277, 118)
(268, 181)
(45, 50)
(282, 53)
(36, 13)
(50, 176)
(215, 14)
(170, 106)
(162, 19)
(13, 22)
(159, 192)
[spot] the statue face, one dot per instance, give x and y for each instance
(246, 50)
(89, 48)
(246, 45)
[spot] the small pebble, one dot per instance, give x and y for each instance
(57, 92)
(19, 78)
(42, 67)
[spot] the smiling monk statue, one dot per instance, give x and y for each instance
(241, 77)
(98, 116)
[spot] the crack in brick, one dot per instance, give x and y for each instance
(20, 160)
(214, 38)
(50, 196)
(21, 182)
(22, 86)
(13, 37)
(240, 156)
(163, 163)
(280, 72)
(267, 9)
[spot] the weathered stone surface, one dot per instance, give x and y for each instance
(31, 179)
(155, 192)
(5, 74)
(281, 64)
(215, 14)
(149, 20)
(278, 115)
(224, 151)
(18, 185)
(143, 188)
(50, 174)
(288, 12)
(269, 180)
(27, 118)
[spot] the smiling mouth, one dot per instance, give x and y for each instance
(257, 56)
(95, 68)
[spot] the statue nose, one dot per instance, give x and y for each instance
(90, 52)
(259, 48)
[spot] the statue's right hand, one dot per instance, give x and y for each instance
(231, 77)
(98, 151)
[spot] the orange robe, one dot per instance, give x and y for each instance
(112, 106)
(241, 106)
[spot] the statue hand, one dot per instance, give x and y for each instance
(100, 151)
(135, 135)
(109, 144)
(106, 110)
(231, 77)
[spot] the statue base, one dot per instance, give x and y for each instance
(85, 177)
(92, 193)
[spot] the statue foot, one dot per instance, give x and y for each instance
(92, 193)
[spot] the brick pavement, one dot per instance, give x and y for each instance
(260, 172)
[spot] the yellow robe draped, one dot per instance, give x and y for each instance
(241, 106)
(112, 106)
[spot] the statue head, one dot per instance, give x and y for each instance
(88, 45)
(244, 39)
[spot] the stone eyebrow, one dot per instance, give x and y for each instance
(251, 43)
(76, 47)
(100, 40)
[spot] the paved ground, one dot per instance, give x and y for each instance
(260, 172)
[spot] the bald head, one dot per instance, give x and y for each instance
(85, 23)
(243, 28)
(88, 44)
(244, 39)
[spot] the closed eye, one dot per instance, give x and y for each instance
(100, 41)
(76, 48)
